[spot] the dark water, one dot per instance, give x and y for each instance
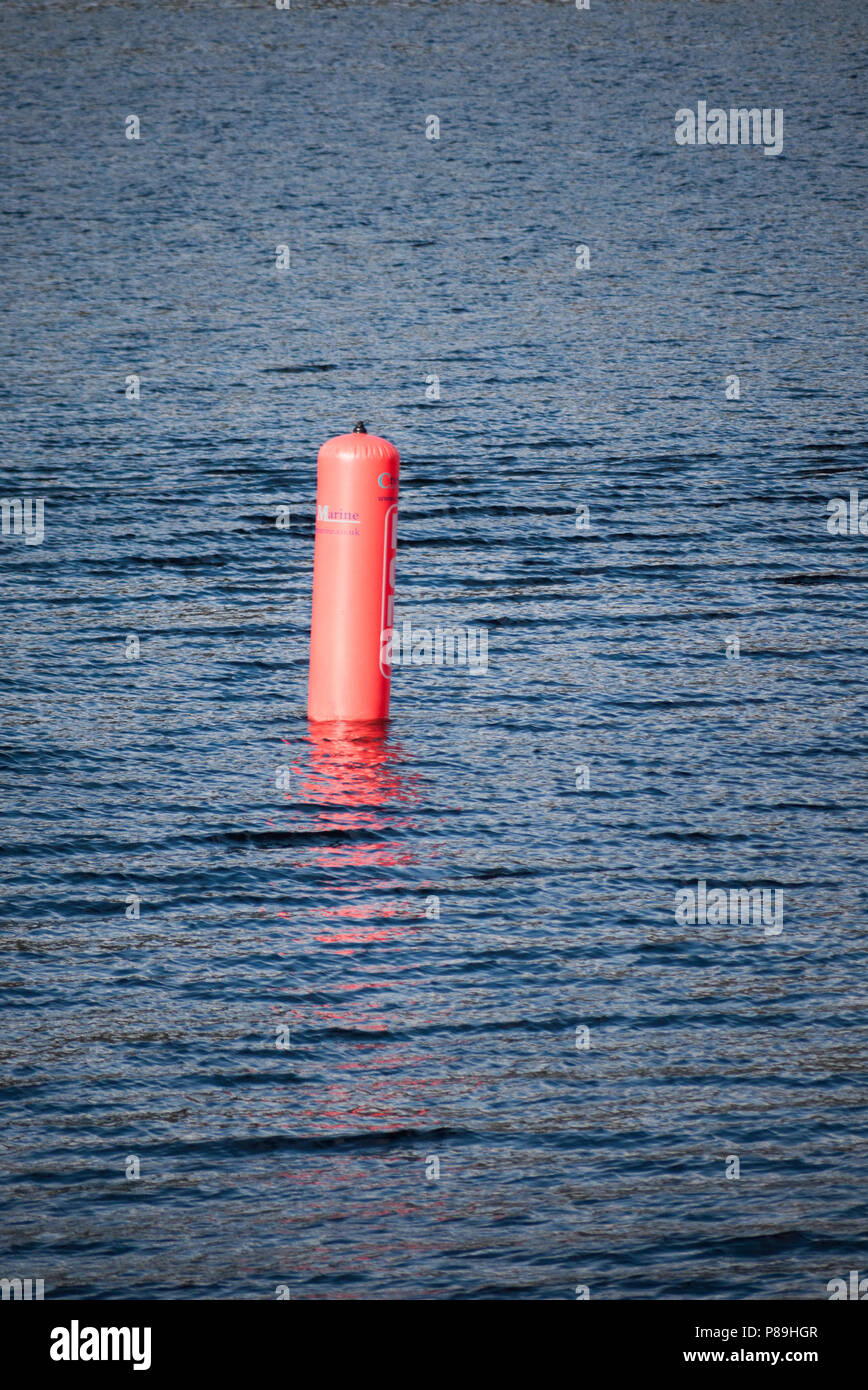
(414, 1037)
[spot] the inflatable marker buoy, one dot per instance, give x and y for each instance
(355, 548)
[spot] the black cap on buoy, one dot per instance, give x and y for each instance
(358, 428)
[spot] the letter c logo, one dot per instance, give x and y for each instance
(384, 480)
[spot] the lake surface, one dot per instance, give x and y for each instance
(289, 879)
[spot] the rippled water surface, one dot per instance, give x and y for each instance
(311, 907)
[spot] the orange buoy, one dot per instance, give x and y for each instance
(355, 548)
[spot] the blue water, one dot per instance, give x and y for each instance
(414, 1037)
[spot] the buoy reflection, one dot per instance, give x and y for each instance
(353, 791)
